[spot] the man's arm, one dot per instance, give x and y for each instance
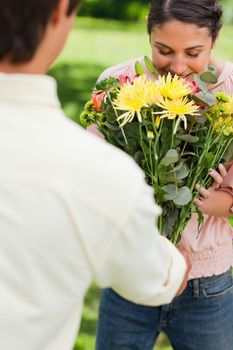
(141, 265)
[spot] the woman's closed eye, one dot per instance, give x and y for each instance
(192, 54)
(165, 53)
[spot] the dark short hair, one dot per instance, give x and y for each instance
(203, 13)
(24, 23)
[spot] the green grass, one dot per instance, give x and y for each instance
(93, 46)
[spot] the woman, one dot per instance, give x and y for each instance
(182, 35)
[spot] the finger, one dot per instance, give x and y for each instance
(202, 191)
(222, 170)
(198, 202)
(216, 177)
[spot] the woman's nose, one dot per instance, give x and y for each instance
(178, 66)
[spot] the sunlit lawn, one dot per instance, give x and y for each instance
(93, 46)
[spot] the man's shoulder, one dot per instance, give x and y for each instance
(97, 165)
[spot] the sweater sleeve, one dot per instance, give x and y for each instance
(126, 68)
(226, 78)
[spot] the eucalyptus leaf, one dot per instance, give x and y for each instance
(209, 77)
(207, 99)
(171, 157)
(200, 83)
(171, 191)
(183, 196)
(176, 168)
(182, 173)
(201, 119)
(188, 138)
(170, 178)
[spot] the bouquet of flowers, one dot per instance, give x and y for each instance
(175, 130)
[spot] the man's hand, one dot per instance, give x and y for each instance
(188, 268)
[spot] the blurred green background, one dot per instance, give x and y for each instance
(109, 32)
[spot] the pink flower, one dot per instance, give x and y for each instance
(123, 79)
(193, 85)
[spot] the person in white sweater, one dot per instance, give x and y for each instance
(65, 219)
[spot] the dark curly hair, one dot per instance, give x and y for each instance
(22, 24)
(203, 13)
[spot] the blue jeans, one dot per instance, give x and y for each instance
(200, 319)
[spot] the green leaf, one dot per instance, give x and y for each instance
(106, 84)
(150, 66)
(182, 173)
(188, 138)
(210, 75)
(183, 196)
(201, 119)
(201, 84)
(208, 98)
(170, 190)
(139, 68)
(171, 157)
(201, 219)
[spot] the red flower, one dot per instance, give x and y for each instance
(97, 98)
(193, 85)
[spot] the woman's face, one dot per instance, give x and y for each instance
(180, 48)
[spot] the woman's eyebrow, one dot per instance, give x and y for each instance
(195, 47)
(161, 44)
(186, 49)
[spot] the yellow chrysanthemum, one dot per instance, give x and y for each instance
(131, 98)
(224, 125)
(173, 87)
(153, 95)
(229, 105)
(178, 108)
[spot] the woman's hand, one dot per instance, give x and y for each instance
(211, 201)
